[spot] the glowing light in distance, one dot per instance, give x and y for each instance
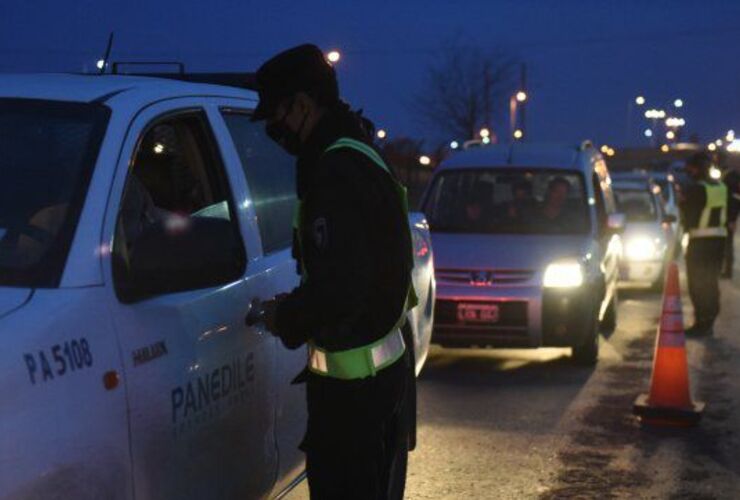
(333, 56)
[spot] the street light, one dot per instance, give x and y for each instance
(486, 140)
(639, 100)
(718, 142)
(670, 135)
(521, 96)
(425, 160)
(664, 148)
(454, 145)
(655, 114)
(484, 132)
(100, 64)
(678, 103)
(711, 146)
(381, 134)
(730, 136)
(518, 134)
(333, 56)
(648, 132)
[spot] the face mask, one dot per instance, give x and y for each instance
(289, 139)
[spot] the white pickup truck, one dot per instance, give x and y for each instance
(123, 383)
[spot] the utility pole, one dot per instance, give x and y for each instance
(486, 96)
(523, 84)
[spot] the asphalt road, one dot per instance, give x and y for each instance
(511, 424)
(519, 424)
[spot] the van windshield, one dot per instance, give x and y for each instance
(47, 153)
(508, 201)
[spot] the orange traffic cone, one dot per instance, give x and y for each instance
(669, 401)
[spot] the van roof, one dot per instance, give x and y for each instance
(567, 157)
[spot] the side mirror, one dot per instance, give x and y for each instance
(615, 223)
(670, 218)
(187, 254)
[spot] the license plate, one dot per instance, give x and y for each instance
(477, 313)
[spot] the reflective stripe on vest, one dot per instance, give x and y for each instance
(367, 360)
(716, 200)
(357, 363)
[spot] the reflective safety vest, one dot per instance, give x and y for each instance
(713, 219)
(364, 361)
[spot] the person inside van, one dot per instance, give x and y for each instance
(520, 207)
(554, 211)
(476, 209)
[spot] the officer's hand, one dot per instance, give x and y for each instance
(269, 309)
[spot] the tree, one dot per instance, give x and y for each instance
(465, 89)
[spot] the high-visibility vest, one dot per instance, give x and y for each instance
(367, 360)
(713, 218)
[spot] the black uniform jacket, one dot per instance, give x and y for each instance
(355, 243)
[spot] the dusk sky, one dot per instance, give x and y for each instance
(586, 60)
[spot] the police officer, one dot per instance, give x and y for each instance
(704, 213)
(353, 248)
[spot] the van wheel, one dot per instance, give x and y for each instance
(609, 323)
(587, 352)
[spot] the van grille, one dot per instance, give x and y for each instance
(483, 277)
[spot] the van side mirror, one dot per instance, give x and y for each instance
(193, 253)
(669, 218)
(615, 223)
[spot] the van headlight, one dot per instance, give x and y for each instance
(641, 248)
(564, 274)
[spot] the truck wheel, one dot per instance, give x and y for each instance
(587, 352)
(609, 323)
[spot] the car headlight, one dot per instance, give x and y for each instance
(564, 274)
(641, 248)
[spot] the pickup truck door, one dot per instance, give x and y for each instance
(200, 382)
(270, 174)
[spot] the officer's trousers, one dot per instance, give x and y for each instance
(729, 262)
(357, 436)
(703, 264)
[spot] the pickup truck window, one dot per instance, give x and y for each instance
(270, 172)
(49, 150)
(176, 181)
(508, 201)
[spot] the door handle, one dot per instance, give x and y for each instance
(255, 314)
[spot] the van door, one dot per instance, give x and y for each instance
(200, 382)
(609, 243)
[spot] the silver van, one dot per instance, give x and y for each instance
(527, 248)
